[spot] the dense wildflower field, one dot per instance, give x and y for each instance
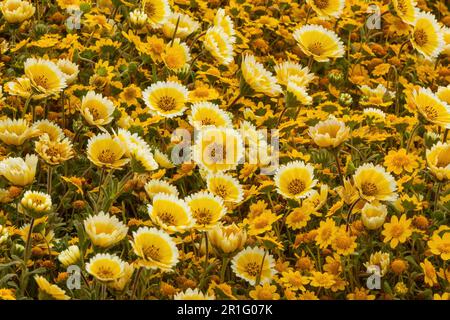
(192, 149)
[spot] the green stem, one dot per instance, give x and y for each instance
(26, 256)
(336, 158)
(224, 268)
(412, 136)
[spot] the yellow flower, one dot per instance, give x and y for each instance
(373, 215)
(299, 92)
(320, 43)
(49, 291)
(406, 10)
(258, 78)
(374, 183)
(176, 55)
(264, 292)
(120, 283)
(295, 180)
(374, 113)
(219, 45)
(50, 128)
(19, 87)
(7, 294)
(208, 114)
(106, 151)
(186, 25)
(343, 243)
(431, 107)
(157, 11)
(193, 294)
(299, 217)
(69, 69)
(45, 76)
(253, 263)
(227, 239)
(261, 223)
(294, 280)
(429, 273)
(105, 230)
(360, 294)
(438, 159)
(287, 69)
(106, 267)
(225, 186)
(218, 149)
(96, 109)
(427, 37)
(207, 209)
(54, 152)
(17, 11)
(399, 161)
(130, 94)
(162, 159)
(322, 280)
(397, 231)
(446, 37)
(70, 256)
(224, 21)
(156, 186)
(166, 99)
(18, 171)
(380, 96)
(440, 245)
(325, 233)
(3, 234)
(35, 204)
(138, 18)
(155, 248)
(330, 133)
(378, 259)
(327, 8)
(16, 131)
(170, 213)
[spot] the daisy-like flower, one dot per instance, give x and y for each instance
(227, 239)
(186, 25)
(54, 152)
(49, 291)
(156, 186)
(373, 215)
(206, 113)
(106, 151)
(218, 149)
(320, 43)
(130, 94)
(105, 267)
(16, 131)
(438, 159)
(170, 213)
(155, 248)
(69, 69)
(440, 244)
(325, 233)
(374, 113)
(379, 259)
(20, 87)
(258, 78)
(327, 8)
(443, 93)
(343, 242)
(45, 76)
(138, 18)
(221, 19)
(294, 280)
(225, 186)
(380, 96)
(18, 171)
(96, 109)
(287, 69)
(253, 263)
(105, 230)
(431, 107)
(322, 279)
(138, 150)
(162, 159)
(53, 131)
(397, 231)
(193, 294)
(157, 11)
(207, 209)
(176, 55)
(406, 10)
(397, 161)
(166, 99)
(295, 180)
(70, 256)
(299, 92)
(219, 44)
(329, 133)
(374, 183)
(35, 204)
(299, 217)
(120, 283)
(17, 11)
(427, 36)
(4, 234)
(430, 276)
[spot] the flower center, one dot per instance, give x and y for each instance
(321, 4)
(150, 9)
(369, 188)
(203, 216)
(402, 6)
(252, 268)
(316, 48)
(221, 191)
(41, 81)
(105, 272)
(167, 218)
(397, 231)
(430, 112)
(167, 103)
(107, 156)
(420, 37)
(296, 186)
(152, 252)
